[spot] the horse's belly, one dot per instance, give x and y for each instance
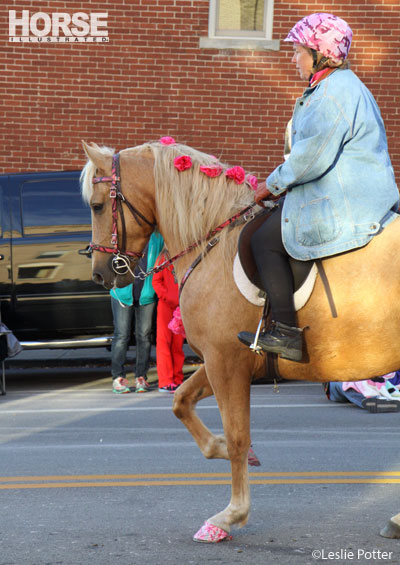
(362, 342)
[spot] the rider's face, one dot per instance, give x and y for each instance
(304, 61)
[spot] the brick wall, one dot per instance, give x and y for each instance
(152, 79)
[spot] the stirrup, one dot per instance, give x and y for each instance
(254, 346)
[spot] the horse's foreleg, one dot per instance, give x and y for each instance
(186, 397)
(232, 391)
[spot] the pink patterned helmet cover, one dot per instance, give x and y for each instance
(325, 33)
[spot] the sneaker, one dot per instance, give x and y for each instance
(171, 388)
(142, 385)
(146, 383)
(121, 385)
(379, 405)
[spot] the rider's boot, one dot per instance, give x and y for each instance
(286, 341)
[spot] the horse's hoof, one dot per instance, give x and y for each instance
(209, 533)
(391, 530)
(252, 459)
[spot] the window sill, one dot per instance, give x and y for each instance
(239, 43)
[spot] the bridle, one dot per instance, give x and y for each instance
(121, 261)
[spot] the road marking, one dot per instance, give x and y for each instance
(149, 408)
(199, 479)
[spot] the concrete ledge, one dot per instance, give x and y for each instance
(68, 343)
(239, 43)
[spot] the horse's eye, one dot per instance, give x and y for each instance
(97, 207)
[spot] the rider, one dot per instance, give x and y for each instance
(338, 179)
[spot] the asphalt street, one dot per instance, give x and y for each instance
(90, 477)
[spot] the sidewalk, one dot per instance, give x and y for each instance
(31, 362)
(82, 357)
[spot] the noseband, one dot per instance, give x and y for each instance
(122, 258)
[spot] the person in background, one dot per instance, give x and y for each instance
(169, 345)
(137, 300)
(377, 395)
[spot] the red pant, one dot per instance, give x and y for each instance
(170, 355)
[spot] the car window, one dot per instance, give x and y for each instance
(53, 206)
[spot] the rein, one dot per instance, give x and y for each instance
(195, 244)
(121, 260)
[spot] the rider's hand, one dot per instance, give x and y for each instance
(262, 193)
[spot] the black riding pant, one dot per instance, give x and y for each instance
(272, 262)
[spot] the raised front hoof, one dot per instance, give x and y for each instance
(209, 533)
(391, 530)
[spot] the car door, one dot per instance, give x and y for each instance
(5, 247)
(54, 292)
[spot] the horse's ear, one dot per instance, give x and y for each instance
(94, 154)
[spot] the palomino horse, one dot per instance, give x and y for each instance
(185, 203)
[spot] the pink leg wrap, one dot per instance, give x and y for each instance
(209, 533)
(252, 459)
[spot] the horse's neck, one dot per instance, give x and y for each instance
(184, 262)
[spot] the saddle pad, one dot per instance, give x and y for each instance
(254, 295)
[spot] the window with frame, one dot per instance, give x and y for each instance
(245, 24)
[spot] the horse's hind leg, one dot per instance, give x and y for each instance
(392, 528)
(186, 397)
(231, 385)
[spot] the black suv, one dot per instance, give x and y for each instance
(46, 288)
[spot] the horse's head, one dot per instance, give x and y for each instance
(117, 186)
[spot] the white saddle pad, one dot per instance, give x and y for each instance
(252, 293)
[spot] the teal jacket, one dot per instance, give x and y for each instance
(339, 178)
(144, 289)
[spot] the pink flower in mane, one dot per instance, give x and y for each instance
(252, 180)
(183, 162)
(237, 174)
(212, 171)
(167, 140)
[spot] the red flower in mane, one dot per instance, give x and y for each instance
(237, 174)
(183, 162)
(212, 171)
(252, 180)
(167, 140)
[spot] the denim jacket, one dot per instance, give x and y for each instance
(339, 178)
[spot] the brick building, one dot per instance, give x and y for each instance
(170, 67)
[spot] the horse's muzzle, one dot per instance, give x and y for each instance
(99, 279)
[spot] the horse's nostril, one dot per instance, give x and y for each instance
(97, 278)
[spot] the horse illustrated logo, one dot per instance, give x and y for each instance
(58, 27)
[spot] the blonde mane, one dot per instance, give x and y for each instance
(189, 203)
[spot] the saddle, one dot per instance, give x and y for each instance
(248, 281)
(300, 269)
